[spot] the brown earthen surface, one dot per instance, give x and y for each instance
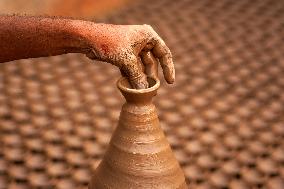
(223, 117)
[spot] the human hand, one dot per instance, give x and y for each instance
(134, 49)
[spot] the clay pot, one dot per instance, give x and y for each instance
(139, 155)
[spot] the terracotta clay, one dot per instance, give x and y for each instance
(139, 155)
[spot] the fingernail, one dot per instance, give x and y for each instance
(170, 75)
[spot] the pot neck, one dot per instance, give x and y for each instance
(138, 96)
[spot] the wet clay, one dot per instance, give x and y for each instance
(139, 155)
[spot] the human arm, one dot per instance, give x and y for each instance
(134, 49)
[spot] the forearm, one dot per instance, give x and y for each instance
(31, 37)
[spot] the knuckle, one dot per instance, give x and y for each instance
(169, 55)
(148, 29)
(148, 26)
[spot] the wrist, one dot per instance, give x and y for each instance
(82, 32)
(78, 42)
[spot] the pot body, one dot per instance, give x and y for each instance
(139, 155)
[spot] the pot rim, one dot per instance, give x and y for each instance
(138, 91)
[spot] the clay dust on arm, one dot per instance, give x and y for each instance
(134, 49)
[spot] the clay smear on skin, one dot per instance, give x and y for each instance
(119, 44)
(116, 45)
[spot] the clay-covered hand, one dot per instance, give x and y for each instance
(134, 49)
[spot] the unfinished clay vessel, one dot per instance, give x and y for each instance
(139, 155)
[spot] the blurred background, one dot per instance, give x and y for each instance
(224, 116)
(72, 8)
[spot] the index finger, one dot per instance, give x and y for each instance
(131, 69)
(163, 53)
